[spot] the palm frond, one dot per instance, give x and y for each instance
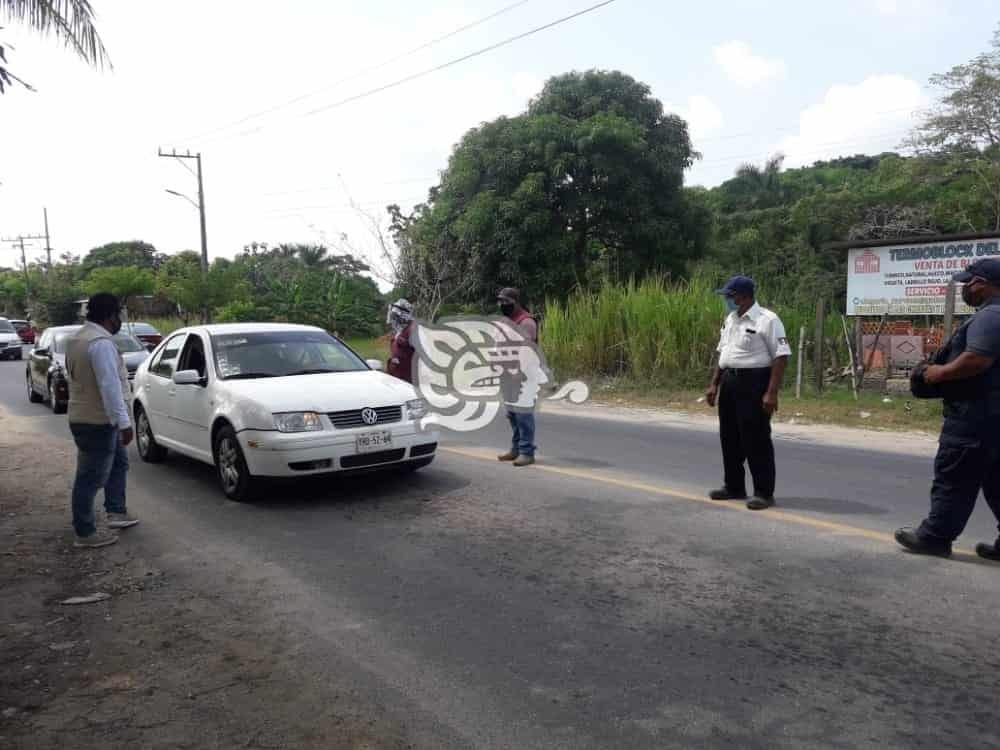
(71, 21)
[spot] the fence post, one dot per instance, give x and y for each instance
(798, 362)
(818, 343)
(949, 310)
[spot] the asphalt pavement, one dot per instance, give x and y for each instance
(597, 600)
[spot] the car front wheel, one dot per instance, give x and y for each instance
(149, 450)
(58, 407)
(234, 477)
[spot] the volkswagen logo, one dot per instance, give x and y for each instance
(369, 415)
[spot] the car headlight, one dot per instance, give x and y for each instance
(416, 408)
(298, 421)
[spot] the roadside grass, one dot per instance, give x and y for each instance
(371, 348)
(836, 406)
(163, 325)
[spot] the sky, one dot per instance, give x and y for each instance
(259, 88)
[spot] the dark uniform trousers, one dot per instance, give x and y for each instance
(967, 461)
(745, 430)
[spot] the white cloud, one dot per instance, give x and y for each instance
(745, 68)
(701, 113)
(872, 116)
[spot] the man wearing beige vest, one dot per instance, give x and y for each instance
(99, 420)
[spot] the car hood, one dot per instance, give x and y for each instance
(336, 391)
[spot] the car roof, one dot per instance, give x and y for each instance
(219, 329)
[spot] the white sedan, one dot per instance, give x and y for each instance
(275, 400)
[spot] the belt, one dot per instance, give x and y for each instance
(746, 371)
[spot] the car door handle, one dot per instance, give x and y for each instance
(171, 393)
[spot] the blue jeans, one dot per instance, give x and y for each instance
(101, 461)
(523, 426)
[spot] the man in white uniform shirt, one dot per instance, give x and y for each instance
(753, 354)
(98, 414)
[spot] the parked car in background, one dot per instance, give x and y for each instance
(10, 342)
(275, 400)
(25, 330)
(46, 369)
(148, 335)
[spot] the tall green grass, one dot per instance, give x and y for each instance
(655, 331)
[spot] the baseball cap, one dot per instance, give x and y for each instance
(509, 294)
(984, 268)
(737, 285)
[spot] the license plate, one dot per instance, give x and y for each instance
(367, 442)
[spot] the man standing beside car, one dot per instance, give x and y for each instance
(99, 420)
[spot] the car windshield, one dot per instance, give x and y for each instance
(270, 354)
(19, 325)
(6, 327)
(141, 328)
(126, 343)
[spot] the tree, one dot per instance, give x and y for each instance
(590, 176)
(125, 282)
(70, 21)
(181, 281)
(119, 254)
(963, 130)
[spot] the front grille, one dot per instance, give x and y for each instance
(344, 420)
(372, 459)
(423, 450)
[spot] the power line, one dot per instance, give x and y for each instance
(458, 60)
(362, 72)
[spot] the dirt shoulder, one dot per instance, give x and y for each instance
(167, 661)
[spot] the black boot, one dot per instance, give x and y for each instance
(989, 551)
(724, 494)
(760, 502)
(922, 545)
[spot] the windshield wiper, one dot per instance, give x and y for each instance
(310, 372)
(250, 375)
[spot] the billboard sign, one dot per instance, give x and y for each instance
(910, 279)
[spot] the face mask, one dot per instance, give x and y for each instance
(731, 305)
(507, 310)
(968, 296)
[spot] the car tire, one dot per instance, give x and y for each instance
(58, 407)
(149, 450)
(33, 395)
(235, 479)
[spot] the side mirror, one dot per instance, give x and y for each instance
(188, 377)
(41, 352)
(375, 364)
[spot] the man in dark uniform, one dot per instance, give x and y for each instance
(968, 457)
(753, 353)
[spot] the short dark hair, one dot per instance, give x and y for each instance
(102, 306)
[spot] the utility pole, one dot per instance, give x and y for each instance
(48, 247)
(200, 205)
(19, 242)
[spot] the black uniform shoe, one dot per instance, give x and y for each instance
(922, 545)
(989, 551)
(760, 502)
(725, 494)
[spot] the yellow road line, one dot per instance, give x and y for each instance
(780, 515)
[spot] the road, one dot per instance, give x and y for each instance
(597, 600)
